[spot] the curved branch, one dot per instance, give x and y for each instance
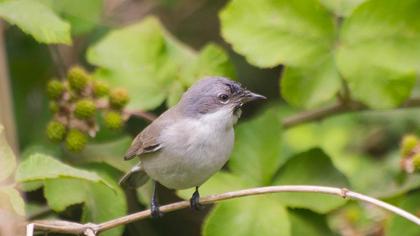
(336, 109)
(75, 228)
(314, 115)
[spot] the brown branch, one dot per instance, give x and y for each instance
(92, 229)
(141, 114)
(336, 109)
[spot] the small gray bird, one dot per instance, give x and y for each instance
(191, 141)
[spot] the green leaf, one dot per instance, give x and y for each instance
(303, 137)
(342, 7)
(11, 200)
(384, 178)
(219, 183)
(313, 167)
(7, 157)
(397, 225)
(136, 57)
(377, 181)
(82, 15)
(379, 52)
(332, 135)
(269, 33)
(34, 208)
(310, 86)
(175, 93)
(388, 182)
(36, 19)
(40, 167)
(251, 216)
(256, 154)
(101, 202)
(335, 136)
(379, 88)
(31, 186)
(212, 60)
(61, 192)
(305, 222)
(150, 95)
(110, 153)
(152, 65)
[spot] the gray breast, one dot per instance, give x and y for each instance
(188, 159)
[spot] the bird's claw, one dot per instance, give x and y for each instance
(154, 204)
(195, 201)
(154, 211)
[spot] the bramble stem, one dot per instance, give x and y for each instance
(336, 109)
(76, 228)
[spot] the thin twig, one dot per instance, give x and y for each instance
(336, 109)
(41, 212)
(127, 113)
(58, 61)
(75, 228)
(142, 114)
(321, 113)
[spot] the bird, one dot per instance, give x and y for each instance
(189, 142)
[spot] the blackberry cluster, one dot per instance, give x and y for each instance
(76, 101)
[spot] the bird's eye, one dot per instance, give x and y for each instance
(223, 97)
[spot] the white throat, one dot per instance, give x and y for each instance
(222, 119)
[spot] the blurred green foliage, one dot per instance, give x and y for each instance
(37, 20)
(152, 65)
(357, 50)
(375, 49)
(10, 199)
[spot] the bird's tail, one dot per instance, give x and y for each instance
(135, 178)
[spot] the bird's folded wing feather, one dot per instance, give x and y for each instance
(147, 141)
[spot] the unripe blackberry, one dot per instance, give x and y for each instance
(56, 131)
(416, 162)
(100, 88)
(85, 109)
(118, 98)
(54, 107)
(78, 78)
(55, 89)
(76, 140)
(407, 144)
(113, 120)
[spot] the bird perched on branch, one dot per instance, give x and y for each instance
(191, 141)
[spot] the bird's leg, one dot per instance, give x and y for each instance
(195, 201)
(154, 205)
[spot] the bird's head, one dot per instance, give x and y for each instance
(213, 94)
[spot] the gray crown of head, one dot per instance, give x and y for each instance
(202, 97)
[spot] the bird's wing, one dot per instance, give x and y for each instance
(147, 140)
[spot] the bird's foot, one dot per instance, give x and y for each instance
(154, 204)
(155, 212)
(195, 201)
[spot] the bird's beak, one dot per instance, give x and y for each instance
(249, 96)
